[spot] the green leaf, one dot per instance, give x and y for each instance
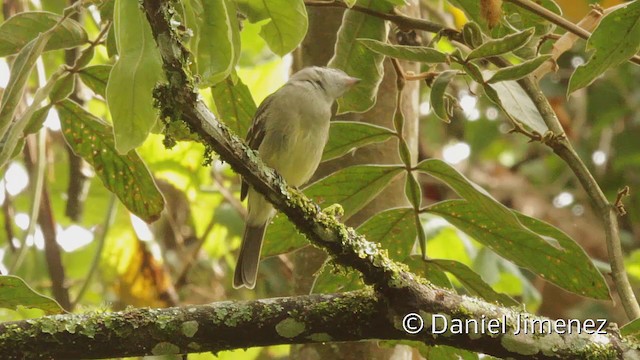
(133, 77)
(96, 78)
(413, 191)
(428, 271)
(519, 71)
(124, 175)
(437, 96)
(403, 52)
(501, 46)
(520, 18)
(394, 229)
(346, 136)
(353, 187)
(512, 99)
(471, 9)
(356, 60)
(286, 26)
(62, 88)
(22, 66)
(282, 237)
(23, 27)
(37, 120)
(218, 45)
(15, 292)
(631, 330)
(472, 281)
(557, 259)
(333, 279)
(615, 40)
(234, 105)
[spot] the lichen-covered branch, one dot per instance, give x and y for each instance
(305, 319)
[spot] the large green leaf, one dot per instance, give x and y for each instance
(394, 229)
(218, 46)
(410, 53)
(615, 40)
(234, 105)
(355, 59)
(96, 78)
(133, 77)
(124, 175)
(346, 136)
(472, 281)
(287, 22)
(282, 237)
(15, 292)
(555, 257)
(23, 27)
(353, 187)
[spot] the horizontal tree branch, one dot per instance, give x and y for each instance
(349, 316)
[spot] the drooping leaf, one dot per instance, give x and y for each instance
(403, 52)
(501, 46)
(518, 71)
(472, 281)
(437, 96)
(352, 187)
(287, 22)
(96, 78)
(356, 60)
(15, 292)
(510, 97)
(394, 229)
(413, 191)
(218, 46)
(234, 105)
(23, 27)
(555, 257)
(346, 136)
(124, 175)
(133, 77)
(615, 40)
(22, 66)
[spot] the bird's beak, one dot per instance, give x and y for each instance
(352, 81)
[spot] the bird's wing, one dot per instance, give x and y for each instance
(255, 135)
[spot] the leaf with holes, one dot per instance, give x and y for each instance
(15, 292)
(124, 175)
(23, 27)
(403, 52)
(353, 187)
(553, 256)
(234, 105)
(346, 136)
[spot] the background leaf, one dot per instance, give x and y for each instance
(515, 102)
(15, 292)
(234, 105)
(124, 175)
(96, 78)
(23, 27)
(501, 46)
(518, 71)
(404, 52)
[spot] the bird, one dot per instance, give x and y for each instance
(289, 130)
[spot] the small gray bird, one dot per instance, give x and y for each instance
(289, 130)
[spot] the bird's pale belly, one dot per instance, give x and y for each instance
(303, 161)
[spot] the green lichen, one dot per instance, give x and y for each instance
(320, 337)
(189, 328)
(290, 328)
(165, 348)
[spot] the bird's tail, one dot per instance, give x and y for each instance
(247, 266)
